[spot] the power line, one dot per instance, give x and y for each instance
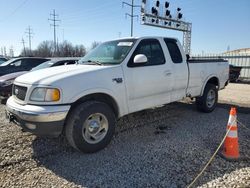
(14, 11)
(29, 32)
(132, 16)
(54, 20)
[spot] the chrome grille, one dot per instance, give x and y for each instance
(19, 92)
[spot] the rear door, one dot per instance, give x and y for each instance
(179, 69)
(148, 84)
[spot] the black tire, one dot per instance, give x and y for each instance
(202, 102)
(75, 129)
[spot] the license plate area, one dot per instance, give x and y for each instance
(11, 118)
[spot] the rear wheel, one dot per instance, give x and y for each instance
(90, 126)
(208, 101)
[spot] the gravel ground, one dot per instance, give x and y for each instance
(165, 147)
(236, 94)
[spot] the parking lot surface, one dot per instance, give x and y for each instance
(163, 147)
(238, 94)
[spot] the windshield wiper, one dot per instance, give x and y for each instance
(94, 62)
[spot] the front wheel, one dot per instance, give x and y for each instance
(208, 101)
(90, 126)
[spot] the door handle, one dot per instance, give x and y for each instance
(167, 73)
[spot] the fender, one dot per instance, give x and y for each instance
(206, 81)
(121, 104)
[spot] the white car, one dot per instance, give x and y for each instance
(117, 78)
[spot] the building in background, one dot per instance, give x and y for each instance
(242, 51)
(238, 59)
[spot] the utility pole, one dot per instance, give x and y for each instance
(63, 34)
(11, 52)
(132, 16)
(4, 50)
(23, 42)
(52, 18)
(29, 32)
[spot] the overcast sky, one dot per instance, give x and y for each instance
(217, 24)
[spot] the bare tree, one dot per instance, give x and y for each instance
(65, 49)
(44, 49)
(94, 44)
(80, 51)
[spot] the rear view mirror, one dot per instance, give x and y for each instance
(140, 58)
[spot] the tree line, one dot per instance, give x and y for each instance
(63, 49)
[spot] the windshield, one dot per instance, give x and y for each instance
(113, 52)
(44, 65)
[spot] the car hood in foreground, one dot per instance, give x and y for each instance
(11, 76)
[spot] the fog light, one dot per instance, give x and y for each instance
(30, 126)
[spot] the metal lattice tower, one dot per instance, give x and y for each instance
(168, 22)
(187, 39)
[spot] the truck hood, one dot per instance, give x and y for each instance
(48, 76)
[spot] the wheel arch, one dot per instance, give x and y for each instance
(211, 80)
(101, 97)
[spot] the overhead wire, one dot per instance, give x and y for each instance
(14, 11)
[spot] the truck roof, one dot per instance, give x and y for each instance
(144, 37)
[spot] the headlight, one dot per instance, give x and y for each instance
(45, 94)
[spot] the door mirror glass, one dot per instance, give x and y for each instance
(140, 58)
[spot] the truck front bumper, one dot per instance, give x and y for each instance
(40, 120)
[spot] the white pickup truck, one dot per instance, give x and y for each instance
(117, 78)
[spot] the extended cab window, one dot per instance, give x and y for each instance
(174, 50)
(151, 48)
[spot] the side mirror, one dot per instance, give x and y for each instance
(140, 58)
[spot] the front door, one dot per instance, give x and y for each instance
(148, 84)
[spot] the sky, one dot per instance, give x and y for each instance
(216, 24)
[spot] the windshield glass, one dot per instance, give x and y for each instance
(8, 62)
(113, 52)
(43, 65)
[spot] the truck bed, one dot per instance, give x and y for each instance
(201, 69)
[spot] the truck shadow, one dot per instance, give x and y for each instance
(240, 109)
(242, 82)
(165, 147)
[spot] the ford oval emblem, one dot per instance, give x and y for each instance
(16, 91)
